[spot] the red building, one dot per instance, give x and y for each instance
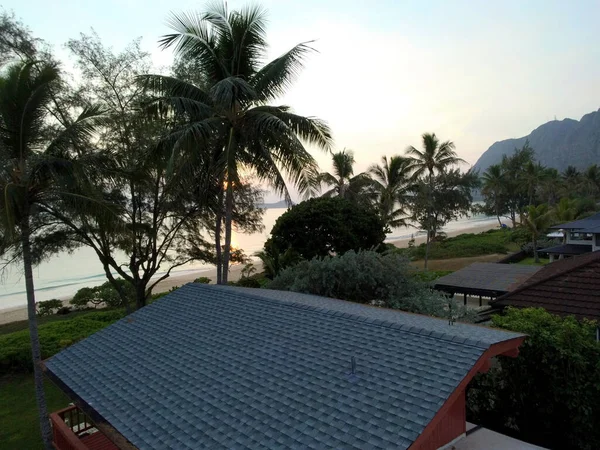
(222, 367)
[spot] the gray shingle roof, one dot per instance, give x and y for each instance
(221, 367)
(492, 277)
(586, 223)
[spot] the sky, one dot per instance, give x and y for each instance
(474, 72)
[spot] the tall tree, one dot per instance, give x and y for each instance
(532, 176)
(493, 189)
(231, 107)
(342, 182)
(152, 199)
(537, 220)
(517, 196)
(391, 182)
(36, 169)
(436, 157)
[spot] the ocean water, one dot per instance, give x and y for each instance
(62, 275)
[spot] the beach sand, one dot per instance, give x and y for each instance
(20, 313)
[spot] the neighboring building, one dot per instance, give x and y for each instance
(580, 236)
(217, 367)
(484, 280)
(566, 287)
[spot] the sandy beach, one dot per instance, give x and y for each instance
(20, 313)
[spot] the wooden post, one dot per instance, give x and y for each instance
(465, 299)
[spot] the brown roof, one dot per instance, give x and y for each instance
(566, 287)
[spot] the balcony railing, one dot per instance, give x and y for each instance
(73, 430)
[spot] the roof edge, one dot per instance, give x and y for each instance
(552, 276)
(505, 347)
(377, 322)
(101, 423)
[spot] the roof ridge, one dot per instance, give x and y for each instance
(411, 329)
(583, 262)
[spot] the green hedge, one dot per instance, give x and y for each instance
(15, 349)
(550, 394)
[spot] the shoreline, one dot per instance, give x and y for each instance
(19, 313)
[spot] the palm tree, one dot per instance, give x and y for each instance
(34, 170)
(435, 158)
(391, 181)
(493, 185)
(537, 220)
(342, 182)
(572, 177)
(591, 180)
(531, 179)
(230, 111)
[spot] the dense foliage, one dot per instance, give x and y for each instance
(15, 348)
(106, 295)
(366, 277)
(324, 226)
(550, 393)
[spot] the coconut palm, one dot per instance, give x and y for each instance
(493, 186)
(591, 181)
(436, 157)
(230, 111)
(35, 169)
(572, 177)
(537, 220)
(391, 181)
(342, 182)
(531, 179)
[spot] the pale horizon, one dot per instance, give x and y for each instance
(384, 75)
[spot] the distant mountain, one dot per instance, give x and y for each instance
(280, 204)
(557, 144)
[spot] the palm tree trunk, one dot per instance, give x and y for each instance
(219, 255)
(427, 249)
(218, 225)
(36, 353)
(230, 158)
(228, 220)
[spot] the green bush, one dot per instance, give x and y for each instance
(323, 226)
(466, 245)
(15, 348)
(202, 280)
(105, 294)
(550, 394)
(250, 282)
(48, 307)
(366, 277)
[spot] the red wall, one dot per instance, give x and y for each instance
(452, 425)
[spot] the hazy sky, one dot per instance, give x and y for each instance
(472, 71)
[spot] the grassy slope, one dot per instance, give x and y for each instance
(19, 428)
(22, 324)
(531, 261)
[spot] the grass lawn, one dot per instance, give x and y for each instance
(531, 262)
(22, 324)
(454, 264)
(19, 425)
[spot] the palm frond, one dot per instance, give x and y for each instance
(275, 78)
(192, 38)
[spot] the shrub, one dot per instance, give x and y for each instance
(550, 394)
(104, 294)
(202, 280)
(365, 277)
(48, 307)
(248, 282)
(323, 226)
(15, 349)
